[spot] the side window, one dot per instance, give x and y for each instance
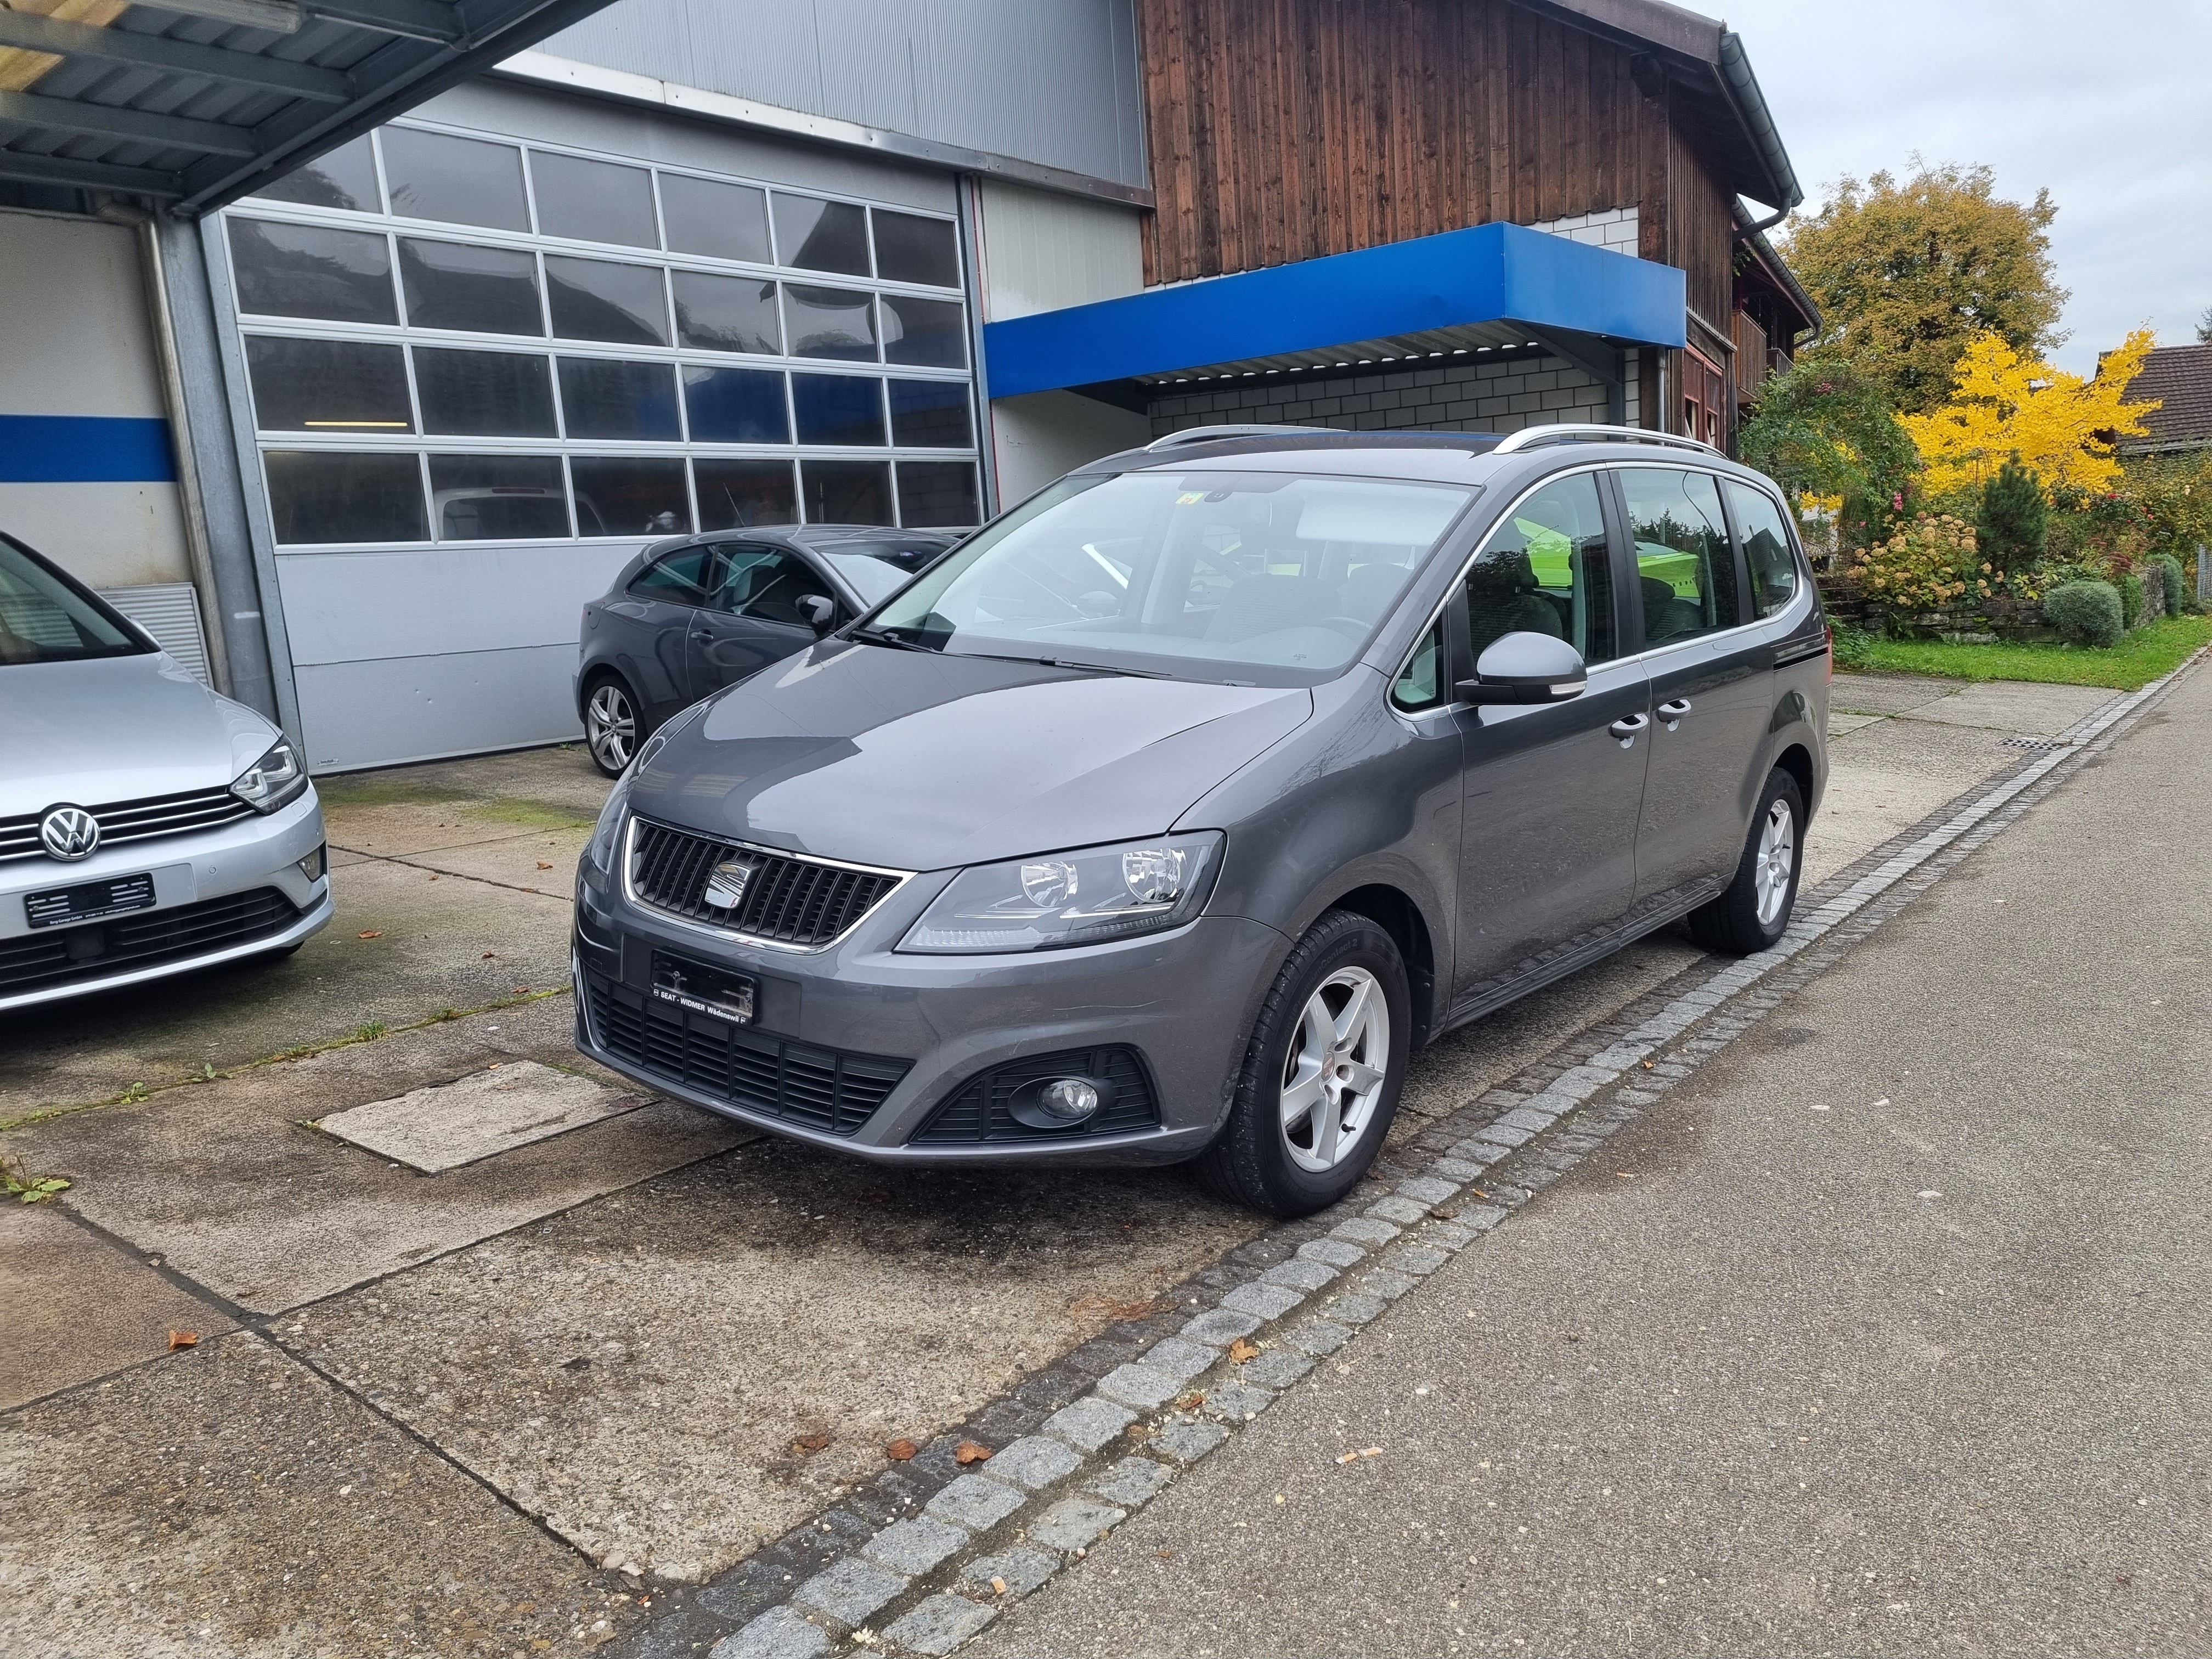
(679, 579)
(1765, 548)
(765, 583)
(1545, 570)
(1420, 683)
(1683, 560)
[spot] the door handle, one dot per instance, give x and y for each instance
(1671, 712)
(1628, 727)
(701, 634)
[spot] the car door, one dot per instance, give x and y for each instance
(1551, 792)
(655, 616)
(1711, 684)
(751, 616)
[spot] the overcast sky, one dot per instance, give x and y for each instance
(2109, 105)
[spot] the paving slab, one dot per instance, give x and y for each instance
(1840, 722)
(2034, 709)
(229, 1502)
(1886, 777)
(79, 1307)
(481, 1114)
(1887, 694)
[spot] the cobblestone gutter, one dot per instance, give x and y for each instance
(922, 1558)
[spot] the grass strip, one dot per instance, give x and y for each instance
(2138, 659)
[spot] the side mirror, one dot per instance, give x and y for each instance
(819, 609)
(1524, 668)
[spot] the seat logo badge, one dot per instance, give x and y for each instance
(70, 832)
(726, 888)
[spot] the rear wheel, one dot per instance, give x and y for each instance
(1321, 1074)
(1752, 913)
(610, 725)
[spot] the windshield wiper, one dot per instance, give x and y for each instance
(1106, 668)
(877, 636)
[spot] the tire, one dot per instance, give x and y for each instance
(1752, 913)
(1285, 1169)
(613, 727)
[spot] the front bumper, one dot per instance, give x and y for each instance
(192, 874)
(1184, 1000)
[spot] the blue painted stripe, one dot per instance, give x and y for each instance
(1488, 273)
(85, 449)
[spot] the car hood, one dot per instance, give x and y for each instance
(913, 760)
(117, 728)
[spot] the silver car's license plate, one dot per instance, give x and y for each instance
(702, 989)
(90, 901)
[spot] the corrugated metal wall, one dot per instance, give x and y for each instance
(1052, 83)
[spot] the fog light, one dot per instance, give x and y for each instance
(316, 864)
(1070, 1099)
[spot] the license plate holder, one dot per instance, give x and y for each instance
(89, 901)
(701, 989)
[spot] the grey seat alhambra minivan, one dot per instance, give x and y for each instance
(1164, 817)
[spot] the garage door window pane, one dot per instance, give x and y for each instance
(726, 313)
(837, 409)
(734, 495)
(723, 221)
(319, 496)
(346, 178)
(931, 415)
(461, 181)
(938, 493)
(484, 394)
(301, 270)
(735, 406)
(328, 386)
(498, 498)
(606, 400)
(830, 322)
(483, 290)
(594, 201)
(912, 249)
(594, 299)
(815, 235)
(846, 492)
(617, 496)
(927, 333)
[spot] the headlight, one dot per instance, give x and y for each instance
(608, 831)
(1060, 899)
(274, 779)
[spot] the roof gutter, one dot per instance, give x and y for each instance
(1734, 66)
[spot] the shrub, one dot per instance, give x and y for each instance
(2177, 582)
(1929, 564)
(1854, 646)
(2011, 524)
(2085, 613)
(2131, 598)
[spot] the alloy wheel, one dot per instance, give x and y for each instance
(610, 728)
(1333, 1077)
(1774, 861)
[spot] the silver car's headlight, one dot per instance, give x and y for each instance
(274, 780)
(1083, 897)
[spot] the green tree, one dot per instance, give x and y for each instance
(1906, 272)
(2204, 326)
(1825, 429)
(2012, 523)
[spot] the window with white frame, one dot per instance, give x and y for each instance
(449, 338)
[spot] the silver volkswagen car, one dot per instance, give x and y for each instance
(147, 826)
(1167, 816)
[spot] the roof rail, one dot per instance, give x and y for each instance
(1206, 434)
(1534, 437)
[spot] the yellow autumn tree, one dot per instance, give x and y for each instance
(2004, 403)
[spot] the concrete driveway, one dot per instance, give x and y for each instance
(513, 1385)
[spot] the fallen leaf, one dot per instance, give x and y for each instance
(1141, 1431)
(1445, 1215)
(183, 1339)
(1478, 1192)
(542, 865)
(1164, 1555)
(968, 1452)
(1190, 1402)
(900, 1451)
(434, 878)
(1113, 1309)
(997, 1586)
(811, 1443)
(372, 933)
(1647, 1064)
(1240, 1350)
(488, 956)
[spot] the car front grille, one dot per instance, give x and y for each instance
(980, 1109)
(796, 1083)
(134, 820)
(144, 940)
(787, 900)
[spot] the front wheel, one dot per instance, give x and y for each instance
(1754, 911)
(1321, 1074)
(610, 725)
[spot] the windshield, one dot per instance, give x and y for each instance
(878, 569)
(46, 618)
(1275, 579)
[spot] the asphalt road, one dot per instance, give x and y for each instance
(1887, 1333)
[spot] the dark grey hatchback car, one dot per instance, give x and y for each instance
(689, 616)
(1165, 819)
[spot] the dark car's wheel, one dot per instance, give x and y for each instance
(1751, 913)
(611, 724)
(1321, 1074)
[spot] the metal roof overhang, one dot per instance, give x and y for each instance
(194, 103)
(1492, 285)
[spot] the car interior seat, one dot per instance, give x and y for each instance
(1503, 597)
(1667, 614)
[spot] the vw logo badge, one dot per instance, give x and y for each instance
(69, 833)
(726, 888)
